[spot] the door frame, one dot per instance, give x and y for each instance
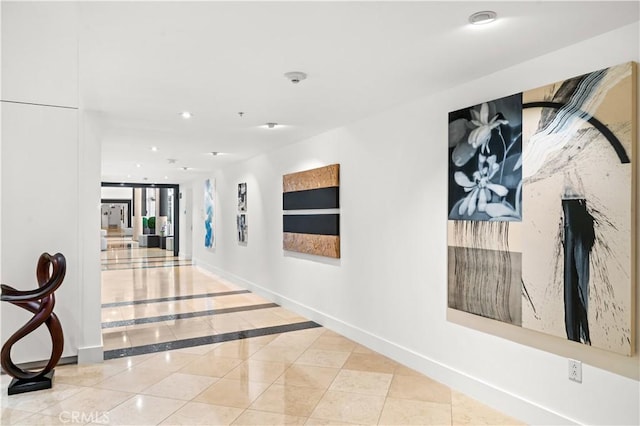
(176, 204)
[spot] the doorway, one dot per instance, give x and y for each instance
(158, 224)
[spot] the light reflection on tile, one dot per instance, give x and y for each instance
(239, 349)
(38, 401)
(86, 374)
(232, 393)
(144, 410)
(257, 371)
(133, 379)
(168, 361)
(147, 336)
(88, 400)
(211, 365)
(180, 386)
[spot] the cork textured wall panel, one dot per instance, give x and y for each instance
(322, 177)
(321, 245)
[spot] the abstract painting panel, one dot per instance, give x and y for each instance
(310, 200)
(578, 144)
(209, 224)
(566, 245)
(485, 265)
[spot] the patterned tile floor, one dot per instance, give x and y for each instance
(188, 348)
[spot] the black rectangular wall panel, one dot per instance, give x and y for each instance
(318, 224)
(321, 198)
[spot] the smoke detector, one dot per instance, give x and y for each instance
(295, 76)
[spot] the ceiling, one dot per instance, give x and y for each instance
(142, 63)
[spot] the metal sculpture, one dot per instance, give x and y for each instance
(50, 273)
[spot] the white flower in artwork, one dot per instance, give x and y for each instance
(479, 190)
(481, 135)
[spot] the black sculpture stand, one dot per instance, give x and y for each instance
(40, 302)
(39, 383)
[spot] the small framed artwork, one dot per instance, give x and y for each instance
(241, 220)
(242, 197)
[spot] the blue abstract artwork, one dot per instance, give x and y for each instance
(209, 231)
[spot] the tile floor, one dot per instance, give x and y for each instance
(188, 348)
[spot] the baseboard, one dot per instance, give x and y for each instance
(500, 399)
(90, 355)
(38, 365)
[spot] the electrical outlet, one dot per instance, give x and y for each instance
(575, 370)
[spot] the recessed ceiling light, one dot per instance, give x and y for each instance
(295, 76)
(483, 17)
(128, 176)
(186, 115)
(271, 125)
(185, 168)
(154, 148)
(214, 153)
(138, 165)
(166, 177)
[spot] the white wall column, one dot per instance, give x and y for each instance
(186, 221)
(50, 178)
(137, 213)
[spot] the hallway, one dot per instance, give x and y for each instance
(185, 347)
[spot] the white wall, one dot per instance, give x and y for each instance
(388, 291)
(185, 197)
(115, 193)
(50, 177)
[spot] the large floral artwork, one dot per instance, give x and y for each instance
(540, 209)
(485, 161)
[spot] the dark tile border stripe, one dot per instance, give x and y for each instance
(171, 299)
(111, 268)
(207, 340)
(157, 262)
(186, 315)
(142, 259)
